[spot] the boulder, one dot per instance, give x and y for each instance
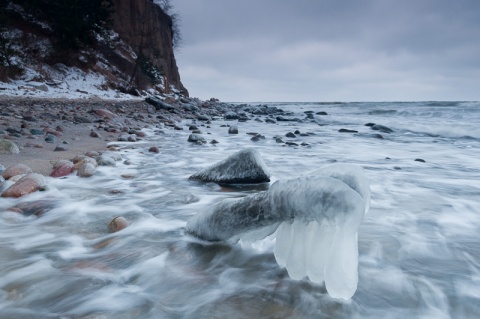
(81, 160)
(233, 129)
(8, 147)
(159, 104)
(36, 208)
(62, 168)
(30, 183)
(195, 138)
(17, 169)
(203, 117)
(230, 115)
(243, 167)
(87, 169)
(105, 160)
(118, 223)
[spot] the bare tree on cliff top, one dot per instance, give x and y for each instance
(167, 7)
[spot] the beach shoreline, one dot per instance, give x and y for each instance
(73, 123)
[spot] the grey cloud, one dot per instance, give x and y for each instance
(349, 49)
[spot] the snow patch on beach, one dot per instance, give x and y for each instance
(68, 82)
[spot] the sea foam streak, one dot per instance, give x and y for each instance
(319, 214)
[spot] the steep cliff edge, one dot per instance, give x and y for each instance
(148, 30)
(132, 52)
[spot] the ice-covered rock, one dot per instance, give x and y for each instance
(243, 167)
(316, 219)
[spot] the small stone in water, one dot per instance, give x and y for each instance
(118, 223)
(154, 149)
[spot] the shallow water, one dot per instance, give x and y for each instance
(418, 244)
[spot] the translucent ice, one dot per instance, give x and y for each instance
(317, 217)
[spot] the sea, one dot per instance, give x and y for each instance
(419, 243)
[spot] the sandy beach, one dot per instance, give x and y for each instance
(19, 117)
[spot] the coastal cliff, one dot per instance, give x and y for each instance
(145, 27)
(128, 50)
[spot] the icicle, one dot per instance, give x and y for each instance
(283, 243)
(319, 239)
(318, 218)
(296, 265)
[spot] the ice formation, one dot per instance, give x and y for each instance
(316, 219)
(243, 167)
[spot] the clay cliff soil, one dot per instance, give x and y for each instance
(148, 30)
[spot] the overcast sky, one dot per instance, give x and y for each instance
(330, 50)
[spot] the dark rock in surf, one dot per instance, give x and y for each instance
(344, 130)
(195, 138)
(230, 116)
(243, 167)
(257, 137)
(381, 128)
(379, 136)
(370, 124)
(269, 120)
(154, 149)
(290, 134)
(421, 160)
(203, 118)
(321, 113)
(233, 129)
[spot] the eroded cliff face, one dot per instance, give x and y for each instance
(148, 30)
